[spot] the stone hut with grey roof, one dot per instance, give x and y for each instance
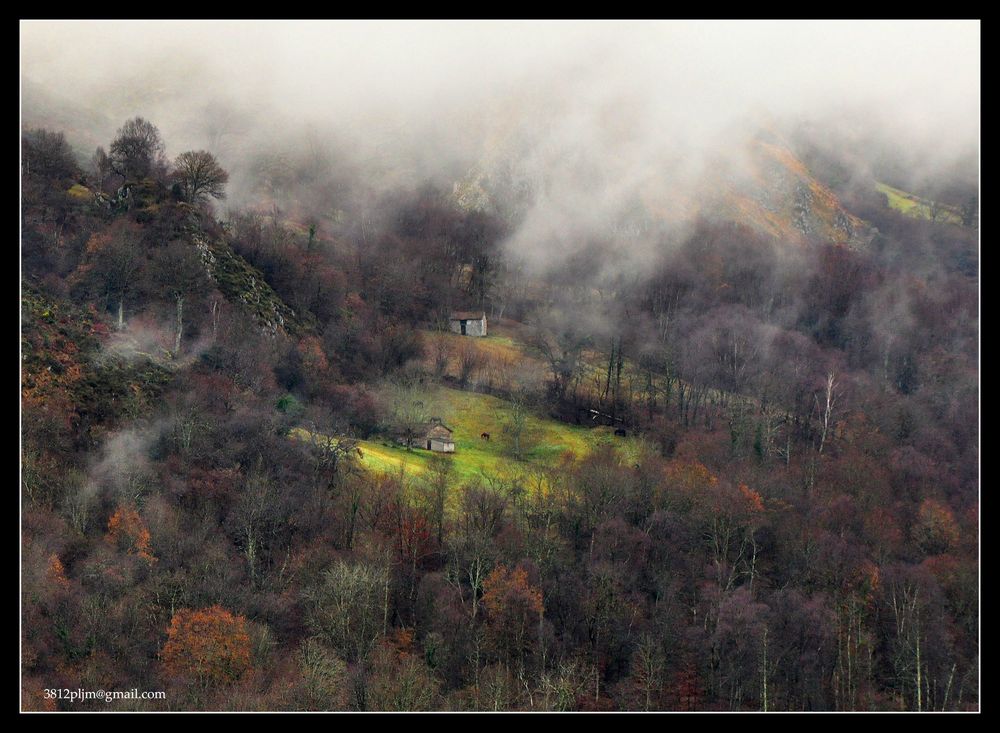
(438, 437)
(468, 323)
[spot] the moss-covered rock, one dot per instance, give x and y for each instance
(78, 192)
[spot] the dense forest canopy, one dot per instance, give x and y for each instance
(719, 449)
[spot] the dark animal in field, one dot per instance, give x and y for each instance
(484, 436)
(360, 454)
(620, 432)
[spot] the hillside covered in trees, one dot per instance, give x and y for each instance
(719, 454)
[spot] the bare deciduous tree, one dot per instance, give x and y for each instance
(136, 149)
(47, 154)
(118, 265)
(201, 176)
(180, 270)
(826, 406)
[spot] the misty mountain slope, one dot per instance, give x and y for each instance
(764, 185)
(85, 126)
(782, 197)
(846, 152)
(716, 449)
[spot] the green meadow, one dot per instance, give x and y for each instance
(912, 205)
(544, 442)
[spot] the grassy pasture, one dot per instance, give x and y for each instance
(910, 204)
(545, 442)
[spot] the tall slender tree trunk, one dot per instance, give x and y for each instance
(763, 670)
(827, 410)
(215, 319)
(121, 314)
(180, 325)
(917, 630)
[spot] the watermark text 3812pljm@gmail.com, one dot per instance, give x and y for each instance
(80, 694)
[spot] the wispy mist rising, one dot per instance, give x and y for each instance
(588, 117)
(920, 75)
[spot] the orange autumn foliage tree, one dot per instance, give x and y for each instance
(209, 645)
(55, 572)
(685, 482)
(127, 531)
(513, 607)
(753, 502)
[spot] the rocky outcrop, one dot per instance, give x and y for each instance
(242, 283)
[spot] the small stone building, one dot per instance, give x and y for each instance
(468, 323)
(438, 437)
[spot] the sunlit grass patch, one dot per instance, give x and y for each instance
(919, 208)
(545, 442)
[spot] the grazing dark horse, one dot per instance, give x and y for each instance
(620, 432)
(484, 436)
